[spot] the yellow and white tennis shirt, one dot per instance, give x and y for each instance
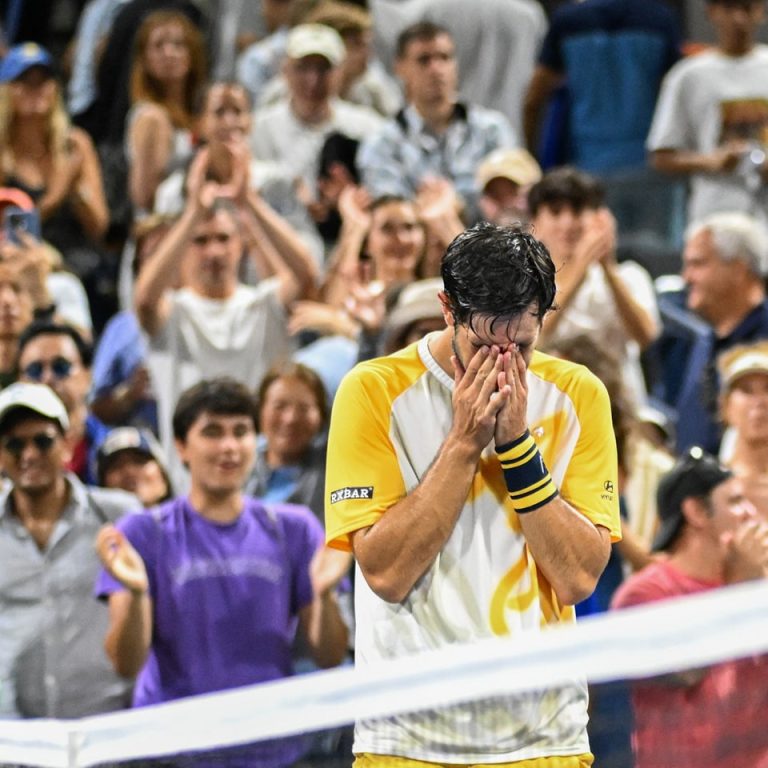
(390, 417)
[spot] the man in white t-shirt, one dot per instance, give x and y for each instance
(214, 325)
(292, 130)
(711, 119)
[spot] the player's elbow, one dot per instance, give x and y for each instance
(574, 590)
(388, 574)
(579, 582)
(388, 586)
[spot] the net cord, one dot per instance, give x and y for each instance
(640, 642)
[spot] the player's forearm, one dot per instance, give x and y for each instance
(568, 548)
(130, 632)
(401, 546)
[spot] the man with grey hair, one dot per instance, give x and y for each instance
(724, 265)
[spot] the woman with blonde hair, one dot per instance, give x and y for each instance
(168, 73)
(41, 153)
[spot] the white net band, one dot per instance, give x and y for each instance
(640, 642)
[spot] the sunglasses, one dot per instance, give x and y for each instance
(16, 445)
(60, 367)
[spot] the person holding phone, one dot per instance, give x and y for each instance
(53, 290)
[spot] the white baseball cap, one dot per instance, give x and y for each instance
(37, 398)
(315, 40)
(740, 361)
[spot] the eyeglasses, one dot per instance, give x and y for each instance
(16, 445)
(60, 367)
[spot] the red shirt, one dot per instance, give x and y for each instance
(721, 720)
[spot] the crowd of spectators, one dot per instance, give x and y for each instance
(259, 194)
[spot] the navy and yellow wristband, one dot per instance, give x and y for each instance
(528, 480)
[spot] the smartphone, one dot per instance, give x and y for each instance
(16, 220)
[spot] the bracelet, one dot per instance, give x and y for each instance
(528, 480)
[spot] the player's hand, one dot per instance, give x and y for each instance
(475, 399)
(121, 560)
(512, 420)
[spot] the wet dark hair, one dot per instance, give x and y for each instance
(566, 186)
(421, 30)
(222, 396)
(52, 328)
(498, 272)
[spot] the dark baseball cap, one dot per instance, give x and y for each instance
(695, 474)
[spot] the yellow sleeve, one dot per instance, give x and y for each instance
(591, 482)
(363, 477)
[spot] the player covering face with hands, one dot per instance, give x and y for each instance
(474, 479)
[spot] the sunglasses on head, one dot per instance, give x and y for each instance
(16, 445)
(60, 367)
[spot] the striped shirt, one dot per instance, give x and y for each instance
(403, 153)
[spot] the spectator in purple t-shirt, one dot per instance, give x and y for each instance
(206, 591)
